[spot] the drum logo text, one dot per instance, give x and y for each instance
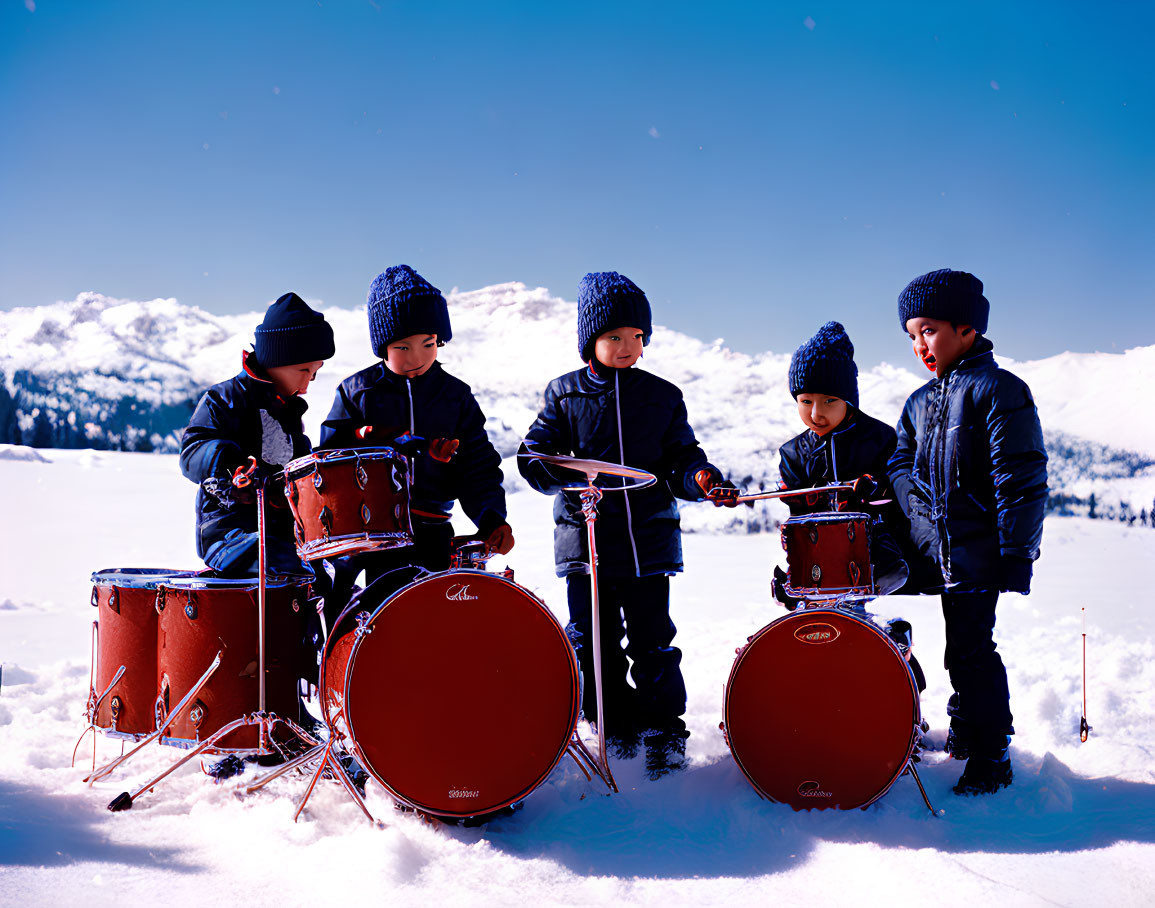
(463, 793)
(459, 592)
(817, 633)
(812, 789)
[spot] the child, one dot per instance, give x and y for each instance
(613, 412)
(408, 393)
(842, 444)
(970, 472)
(255, 414)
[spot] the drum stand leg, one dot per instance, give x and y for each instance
(98, 774)
(93, 705)
(338, 771)
(307, 757)
(264, 721)
(917, 781)
(590, 498)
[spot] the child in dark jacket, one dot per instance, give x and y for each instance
(970, 472)
(255, 414)
(409, 393)
(842, 444)
(612, 412)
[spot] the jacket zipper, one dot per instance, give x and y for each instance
(626, 495)
(412, 431)
(939, 476)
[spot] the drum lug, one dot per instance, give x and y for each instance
(850, 531)
(114, 600)
(363, 628)
(812, 532)
(115, 706)
(326, 518)
(196, 715)
(854, 570)
(190, 608)
(161, 597)
(95, 599)
(318, 481)
(366, 515)
(815, 573)
(361, 475)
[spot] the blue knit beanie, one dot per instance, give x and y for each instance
(951, 296)
(825, 365)
(608, 300)
(402, 303)
(292, 333)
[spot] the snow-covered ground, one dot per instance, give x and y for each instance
(1076, 828)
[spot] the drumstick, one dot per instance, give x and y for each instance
(791, 493)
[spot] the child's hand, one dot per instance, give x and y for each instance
(443, 449)
(1015, 575)
(865, 487)
(500, 541)
(721, 492)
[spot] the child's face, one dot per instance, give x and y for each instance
(294, 379)
(821, 413)
(938, 343)
(619, 347)
(411, 356)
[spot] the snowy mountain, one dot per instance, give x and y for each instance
(108, 373)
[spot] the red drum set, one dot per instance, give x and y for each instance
(458, 691)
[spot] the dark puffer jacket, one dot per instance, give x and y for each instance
(234, 420)
(433, 405)
(970, 472)
(860, 445)
(623, 416)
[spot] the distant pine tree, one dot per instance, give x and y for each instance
(1091, 510)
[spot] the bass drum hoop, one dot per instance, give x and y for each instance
(803, 617)
(344, 711)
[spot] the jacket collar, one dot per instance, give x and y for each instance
(254, 375)
(979, 355)
(391, 379)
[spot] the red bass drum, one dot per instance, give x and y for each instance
(459, 693)
(821, 710)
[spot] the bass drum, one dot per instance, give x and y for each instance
(458, 693)
(821, 710)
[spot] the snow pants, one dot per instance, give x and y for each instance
(981, 710)
(636, 609)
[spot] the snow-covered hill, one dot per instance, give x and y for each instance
(102, 372)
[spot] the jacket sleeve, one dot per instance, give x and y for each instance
(900, 466)
(344, 419)
(682, 456)
(1018, 467)
(478, 468)
(549, 434)
(211, 444)
(793, 477)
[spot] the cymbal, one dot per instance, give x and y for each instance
(592, 468)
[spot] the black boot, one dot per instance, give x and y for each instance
(988, 768)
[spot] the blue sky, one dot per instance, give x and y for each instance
(756, 168)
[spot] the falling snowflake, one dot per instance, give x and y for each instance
(30, 5)
(654, 134)
(809, 23)
(276, 89)
(994, 85)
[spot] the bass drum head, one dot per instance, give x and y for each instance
(820, 711)
(464, 694)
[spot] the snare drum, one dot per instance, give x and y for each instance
(125, 599)
(201, 615)
(828, 553)
(821, 710)
(459, 693)
(349, 500)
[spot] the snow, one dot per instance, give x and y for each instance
(1076, 828)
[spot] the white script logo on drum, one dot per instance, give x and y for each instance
(463, 793)
(459, 592)
(813, 790)
(817, 633)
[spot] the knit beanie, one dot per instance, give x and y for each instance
(951, 296)
(608, 300)
(292, 333)
(402, 303)
(825, 365)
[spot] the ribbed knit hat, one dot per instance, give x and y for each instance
(292, 333)
(402, 303)
(608, 300)
(825, 365)
(951, 296)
